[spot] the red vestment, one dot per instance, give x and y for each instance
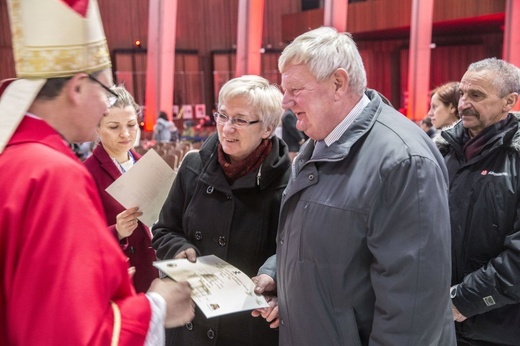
(59, 266)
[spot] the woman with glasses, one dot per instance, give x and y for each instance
(225, 201)
(111, 157)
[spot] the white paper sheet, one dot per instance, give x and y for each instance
(145, 185)
(218, 288)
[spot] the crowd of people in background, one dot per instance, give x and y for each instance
(358, 226)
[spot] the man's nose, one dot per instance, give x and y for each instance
(463, 104)
(287, 101)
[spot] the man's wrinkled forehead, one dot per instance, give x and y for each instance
(478, 80)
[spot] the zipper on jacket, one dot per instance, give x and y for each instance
(259, 175)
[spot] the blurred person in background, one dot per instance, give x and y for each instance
(293, 137)
(427, 126)
(162, 131)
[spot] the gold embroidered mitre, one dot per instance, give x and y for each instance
(51, 39)
(57, 38)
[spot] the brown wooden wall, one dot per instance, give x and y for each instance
(207, 30)
(129, 67)
(386, 61)
(203, 26)
(389, 15)
(464, 31)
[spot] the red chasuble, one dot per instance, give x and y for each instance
(59, 267)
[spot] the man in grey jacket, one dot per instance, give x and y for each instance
(359, 261)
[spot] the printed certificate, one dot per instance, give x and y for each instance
(218, 288)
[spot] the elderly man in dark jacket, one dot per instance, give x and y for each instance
(482, 153)
(359, 261)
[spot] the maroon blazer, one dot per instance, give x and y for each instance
(138, 246)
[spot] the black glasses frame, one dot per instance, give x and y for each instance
(222, 119)
(112, 98)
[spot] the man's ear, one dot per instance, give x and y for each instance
(511, 101)
(340, 78)
(75, 87)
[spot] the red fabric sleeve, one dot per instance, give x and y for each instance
(61, 268)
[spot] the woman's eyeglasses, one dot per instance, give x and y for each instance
(111, 95)
(222, 119)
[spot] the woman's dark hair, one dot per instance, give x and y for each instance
(163, 115)
(449, 95)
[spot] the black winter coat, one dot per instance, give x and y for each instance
(485, 221)
(237, 223)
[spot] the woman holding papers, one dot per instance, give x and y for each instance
(225, 201)
(112, 157)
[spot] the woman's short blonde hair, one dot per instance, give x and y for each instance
(265, 98)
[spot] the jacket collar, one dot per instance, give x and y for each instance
(341, 148)
(451, 137)
(106, 163)
(274, 165)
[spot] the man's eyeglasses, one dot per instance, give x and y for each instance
(222, 119)
(111, 95)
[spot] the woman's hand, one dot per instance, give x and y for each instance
(188, 253)
(126, 222)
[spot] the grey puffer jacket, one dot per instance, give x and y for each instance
(485, 221)
(363, 254)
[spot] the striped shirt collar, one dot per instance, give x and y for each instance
(347, 121)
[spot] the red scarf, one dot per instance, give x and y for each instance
(236, 170)
(473, 146)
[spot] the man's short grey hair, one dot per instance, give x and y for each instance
(507, 76)
(323, 51)
(264, 98)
